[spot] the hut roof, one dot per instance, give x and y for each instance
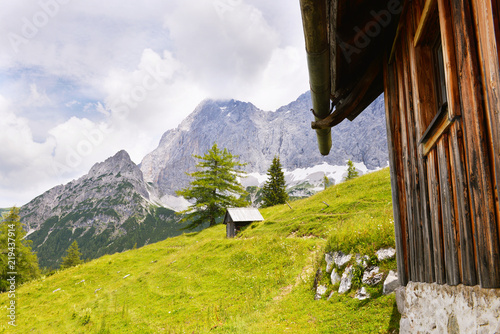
(242, 215)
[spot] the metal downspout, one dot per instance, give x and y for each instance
(318, 62)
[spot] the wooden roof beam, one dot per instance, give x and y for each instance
(353, 99)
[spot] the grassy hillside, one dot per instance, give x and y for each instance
(158, 224)
(259, 282)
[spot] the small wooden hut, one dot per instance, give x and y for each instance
(437, 62)
(236, 218)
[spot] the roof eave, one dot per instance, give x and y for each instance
(336, 60)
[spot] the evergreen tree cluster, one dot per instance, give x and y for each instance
(274, 190)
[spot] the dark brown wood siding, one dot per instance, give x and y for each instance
(445, 164)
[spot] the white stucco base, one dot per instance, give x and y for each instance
(433, 308)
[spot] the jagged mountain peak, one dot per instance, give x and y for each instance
(301, 105)
(224, 105)
(105, 180)
(119, 163)
(120, 159)
(256, 136)
(210, 111)
(121, 155)
(97, 206)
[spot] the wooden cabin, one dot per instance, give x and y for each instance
(437, 63)
(236, 218)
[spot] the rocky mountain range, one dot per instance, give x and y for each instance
(257, 136)
(106, 211)
(119, 205)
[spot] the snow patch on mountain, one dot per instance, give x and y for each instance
(253, 180)
(175, 203)
(312, 175)
(317, 173)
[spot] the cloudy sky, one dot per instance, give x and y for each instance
(80, 80)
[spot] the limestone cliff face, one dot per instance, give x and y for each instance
(257, 136)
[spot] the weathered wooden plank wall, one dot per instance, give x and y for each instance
(393, 134)
(446, 206)
(477, 139)
(487, 19)
(423, 98)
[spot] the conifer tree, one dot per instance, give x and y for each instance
(351, 171)
(73, 256)
(215, 187)
(274, 190)
(16, 255)
(326, 181)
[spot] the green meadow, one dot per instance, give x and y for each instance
(259, 282)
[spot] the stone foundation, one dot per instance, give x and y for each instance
(433, 308)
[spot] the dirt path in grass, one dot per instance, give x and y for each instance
(303, 277)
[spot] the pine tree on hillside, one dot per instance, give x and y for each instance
(73, 256)
(215, 187)
(274, 190)
(351, 171)
(16, 255)
(326, 181)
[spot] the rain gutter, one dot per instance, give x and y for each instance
(314, 20)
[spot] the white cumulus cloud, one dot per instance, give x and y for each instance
(80, 80)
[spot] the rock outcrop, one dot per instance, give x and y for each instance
(391, 282)
(357, 270)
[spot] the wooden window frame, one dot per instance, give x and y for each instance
(439, 76)
(439, 125)
(426, 39)
(427, 22)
